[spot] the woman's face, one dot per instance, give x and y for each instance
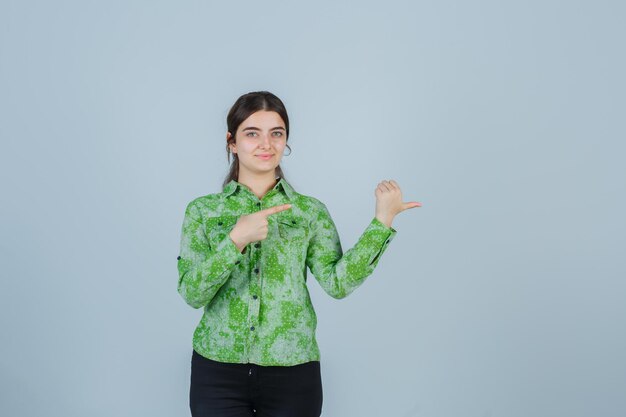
(260, 142)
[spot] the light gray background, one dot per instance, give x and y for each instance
(504, 295)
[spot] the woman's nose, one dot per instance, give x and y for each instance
(265, 141)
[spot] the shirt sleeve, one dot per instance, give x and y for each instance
(341, 273)
(202, 267)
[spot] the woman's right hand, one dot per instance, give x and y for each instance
(253, 227)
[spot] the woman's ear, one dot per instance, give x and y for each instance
(232, 146)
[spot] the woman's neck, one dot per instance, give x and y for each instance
(258, 184)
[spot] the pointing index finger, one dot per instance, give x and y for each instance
(273, 210)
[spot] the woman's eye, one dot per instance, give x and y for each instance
(276, 134)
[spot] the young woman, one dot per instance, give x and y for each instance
(243, 258)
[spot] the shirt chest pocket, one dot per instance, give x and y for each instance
(292, 229)
(218, 228)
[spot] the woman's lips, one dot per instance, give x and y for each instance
(265, 157)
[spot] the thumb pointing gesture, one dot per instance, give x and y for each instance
(389, 201)
(411, 204)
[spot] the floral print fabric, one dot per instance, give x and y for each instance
(256, 304)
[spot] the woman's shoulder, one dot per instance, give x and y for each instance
(207, 202)
(309, 203)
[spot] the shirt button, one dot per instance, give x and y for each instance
(258, 204)
(257, 245)
(293, 222)
(219, 223)
(255, 297)
(256, 270)
(178, 258)
(252, 328)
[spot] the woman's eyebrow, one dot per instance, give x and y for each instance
(256, 128)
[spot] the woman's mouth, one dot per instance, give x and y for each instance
(264, 157)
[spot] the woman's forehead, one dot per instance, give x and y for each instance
(263, 119)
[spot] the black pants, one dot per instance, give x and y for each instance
(236, 390)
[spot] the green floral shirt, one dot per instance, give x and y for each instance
(256, 304)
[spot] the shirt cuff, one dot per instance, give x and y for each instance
(375, 240)
(381, 231)
(228, 252)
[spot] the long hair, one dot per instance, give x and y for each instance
(242, 109)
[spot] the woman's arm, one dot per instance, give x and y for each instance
(202, 268)
(339, 274)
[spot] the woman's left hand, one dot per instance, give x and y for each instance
(389, 201)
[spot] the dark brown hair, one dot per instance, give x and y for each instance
(242, 109)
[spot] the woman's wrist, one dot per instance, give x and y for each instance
(385, 219)
(238, 242)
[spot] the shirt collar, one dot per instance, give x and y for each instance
(233, 185)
